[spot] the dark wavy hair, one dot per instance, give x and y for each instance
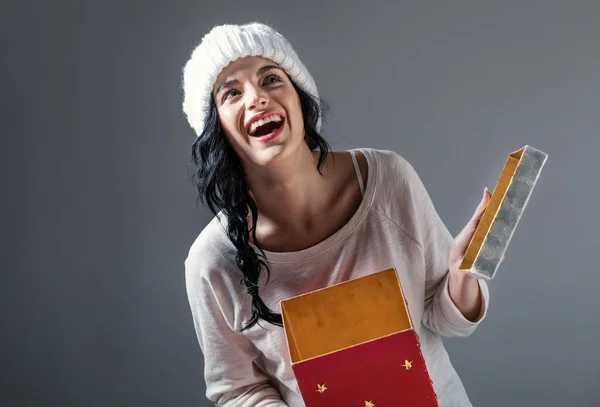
(222, 186)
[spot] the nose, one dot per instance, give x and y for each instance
(257, 98)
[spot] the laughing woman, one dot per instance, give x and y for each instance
(291, 216)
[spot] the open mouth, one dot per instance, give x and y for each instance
(266, 126)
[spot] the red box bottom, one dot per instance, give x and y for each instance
(386, 372)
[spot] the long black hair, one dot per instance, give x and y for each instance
(222, 186)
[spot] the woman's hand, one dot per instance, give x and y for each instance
(464, 288)
(461, 242)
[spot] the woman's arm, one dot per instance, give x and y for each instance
(232, 378)
(455, 304)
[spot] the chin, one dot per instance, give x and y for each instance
(276, 152)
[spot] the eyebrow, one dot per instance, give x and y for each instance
(233, 82)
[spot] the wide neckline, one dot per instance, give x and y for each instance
(346, 229)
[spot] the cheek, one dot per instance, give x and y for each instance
(296, 114)
(229, 121)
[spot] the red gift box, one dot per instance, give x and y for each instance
(353, 344)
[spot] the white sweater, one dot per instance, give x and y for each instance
(396, 226)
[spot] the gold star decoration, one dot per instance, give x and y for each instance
(321, 388)
(369, 403)
(407, 364)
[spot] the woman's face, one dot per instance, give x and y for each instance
(259, 110)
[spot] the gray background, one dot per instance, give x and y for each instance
(98, 211)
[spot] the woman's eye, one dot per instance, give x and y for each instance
(271, 79)
(230, 93)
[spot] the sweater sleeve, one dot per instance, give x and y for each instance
(232, 378)
(440, 314)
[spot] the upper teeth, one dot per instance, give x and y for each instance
(264, 120)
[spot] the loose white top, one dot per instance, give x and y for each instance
(395, 226)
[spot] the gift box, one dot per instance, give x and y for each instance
(354, 344)
(503, 213)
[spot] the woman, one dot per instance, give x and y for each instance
(293, 217)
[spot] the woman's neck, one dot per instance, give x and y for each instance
(291, 192)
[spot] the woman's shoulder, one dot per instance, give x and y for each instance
(211, 254)
(388, 164)
(212, 238)
(397, 188)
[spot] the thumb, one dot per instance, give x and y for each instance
(465, 235)
(479, 211)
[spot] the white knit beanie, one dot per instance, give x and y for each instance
(225, 44)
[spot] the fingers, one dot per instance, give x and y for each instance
(465, 235)
(480, 208)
